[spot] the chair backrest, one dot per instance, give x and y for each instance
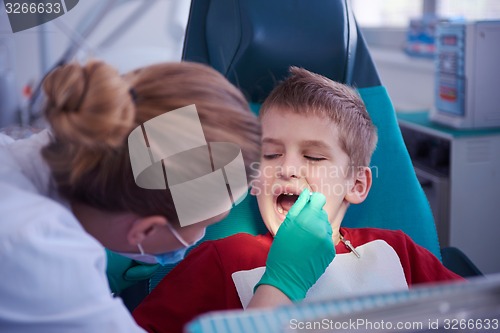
(253, 42)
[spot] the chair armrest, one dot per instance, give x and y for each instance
(457, 262)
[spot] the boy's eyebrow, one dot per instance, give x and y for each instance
(316, 144)
(271, 140)
(307, 143)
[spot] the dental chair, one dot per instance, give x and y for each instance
(253, 42)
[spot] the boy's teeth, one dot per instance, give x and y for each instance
(280, 210)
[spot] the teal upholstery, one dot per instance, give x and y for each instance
(396, 200)
(456, 261)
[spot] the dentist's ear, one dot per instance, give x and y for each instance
(361, 185)
(253, 190)
(254, 187)
(144, 227)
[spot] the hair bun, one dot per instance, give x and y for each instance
(89, 105)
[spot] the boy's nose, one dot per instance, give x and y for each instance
(290, 168)
(288, 172)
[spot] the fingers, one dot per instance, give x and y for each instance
(299, 204)
(315, 211)
(327, 226)
(317, 201)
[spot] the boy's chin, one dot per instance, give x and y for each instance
(272, 226)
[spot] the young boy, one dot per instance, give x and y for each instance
(316, 137)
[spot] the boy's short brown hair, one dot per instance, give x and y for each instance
(311, 94)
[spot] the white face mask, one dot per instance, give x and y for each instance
(166, 258)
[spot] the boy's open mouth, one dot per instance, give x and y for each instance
(285, 201)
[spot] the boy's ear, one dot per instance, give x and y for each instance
(360, 187)
(144, 227)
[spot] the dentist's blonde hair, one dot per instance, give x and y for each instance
(91, 110)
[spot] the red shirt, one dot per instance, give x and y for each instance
(202, 282)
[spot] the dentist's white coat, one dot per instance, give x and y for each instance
(52, 273)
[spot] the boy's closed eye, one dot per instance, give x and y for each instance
(314, 158)
(271, 156)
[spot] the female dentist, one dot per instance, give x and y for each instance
(69, 192)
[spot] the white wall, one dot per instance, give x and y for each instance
(409, 80)
(156, 36)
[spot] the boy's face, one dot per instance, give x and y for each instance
(300, 152)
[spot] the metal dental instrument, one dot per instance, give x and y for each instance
(349, 245)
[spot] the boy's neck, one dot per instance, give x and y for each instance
(336, 236)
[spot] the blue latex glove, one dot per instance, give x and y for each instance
(302, 248)
(123, 272)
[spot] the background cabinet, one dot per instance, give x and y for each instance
(460, 174)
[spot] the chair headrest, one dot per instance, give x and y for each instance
(253, 42)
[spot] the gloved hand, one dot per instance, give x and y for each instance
(123, 272)
(302, 248)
